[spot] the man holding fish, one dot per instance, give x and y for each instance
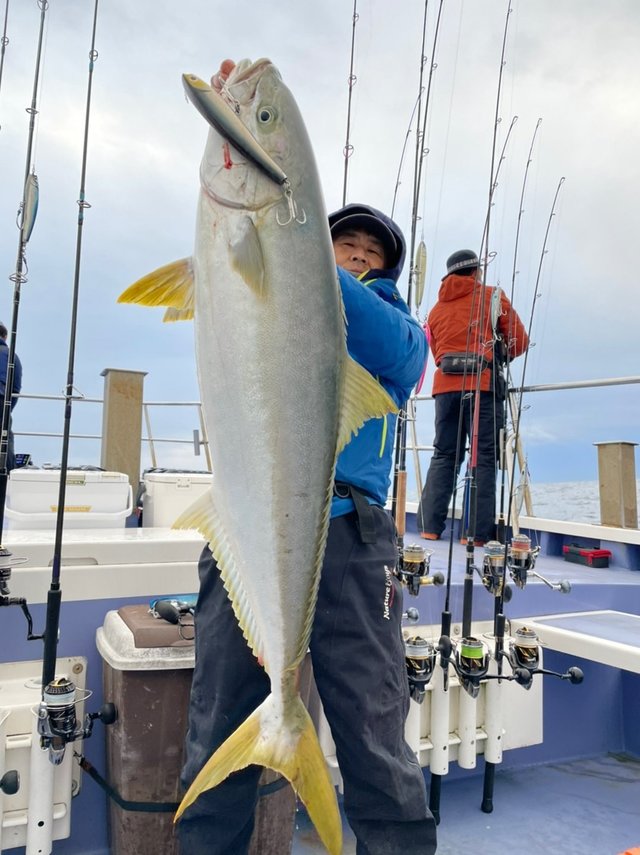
(356, 642)
(300, 410)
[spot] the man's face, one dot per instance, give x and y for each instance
(357, 251)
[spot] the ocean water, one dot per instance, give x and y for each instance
(577, 501)
(573, 501)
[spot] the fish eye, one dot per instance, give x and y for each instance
(266, 115)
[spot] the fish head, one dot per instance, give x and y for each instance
(251, 148)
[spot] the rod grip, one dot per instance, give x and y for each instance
(401, 503)
(435, 787)
(487, 789)
(54, 598)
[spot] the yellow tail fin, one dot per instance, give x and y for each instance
(293, 750)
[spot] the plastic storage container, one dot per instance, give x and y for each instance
(93, 499)
(167, 494)
(147, 674)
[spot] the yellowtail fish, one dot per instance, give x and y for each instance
(281, 398)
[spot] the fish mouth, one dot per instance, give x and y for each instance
(246, 72)
(217, 112)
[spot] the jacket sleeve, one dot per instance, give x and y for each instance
(384, 339)
(512, 329)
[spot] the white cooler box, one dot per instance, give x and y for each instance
(168, 494)
(93, 499)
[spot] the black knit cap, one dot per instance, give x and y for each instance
(369, 220)
(461, 260)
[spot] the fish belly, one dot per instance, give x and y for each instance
(270, 368)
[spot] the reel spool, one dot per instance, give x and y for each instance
(421, 662)
(524, 654)
(413, 568)
(471, 664)
(521, 559)
(493, 570)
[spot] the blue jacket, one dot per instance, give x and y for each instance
(17, 373)
(384, 338)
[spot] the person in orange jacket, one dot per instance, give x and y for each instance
(473, 330)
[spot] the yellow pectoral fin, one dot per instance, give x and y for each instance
(265, 739)
(363, 398)
(171, 285)
(172, 315)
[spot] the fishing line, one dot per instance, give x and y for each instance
(55, 593)
(352, 79)
(28, 208)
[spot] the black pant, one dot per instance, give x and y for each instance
(449, 452)
(359, 666)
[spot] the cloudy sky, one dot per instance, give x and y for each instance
(572, 63)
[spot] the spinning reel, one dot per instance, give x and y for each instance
(413, 568)
(421, 662)
(57, 720)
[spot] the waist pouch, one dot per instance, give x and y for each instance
(462, 363)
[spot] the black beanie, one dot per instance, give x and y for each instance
(463, 258)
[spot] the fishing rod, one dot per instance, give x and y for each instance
(472, 494)
(4, 41)
(404, 148)
(501, 526)
(417, 272)
(524, 652)
(484, 252)
(26, 216)
(55, 592)
(464, 657)
(348, 148)
(477, 318)
(399, 489)
(26, 219)
(56, 716)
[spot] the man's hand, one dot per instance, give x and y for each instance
(220, 77)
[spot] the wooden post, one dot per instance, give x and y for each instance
(617, 481)
(122, 423)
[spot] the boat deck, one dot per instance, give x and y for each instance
(543, 806)
(589, 806)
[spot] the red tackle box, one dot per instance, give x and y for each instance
(583, 555)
